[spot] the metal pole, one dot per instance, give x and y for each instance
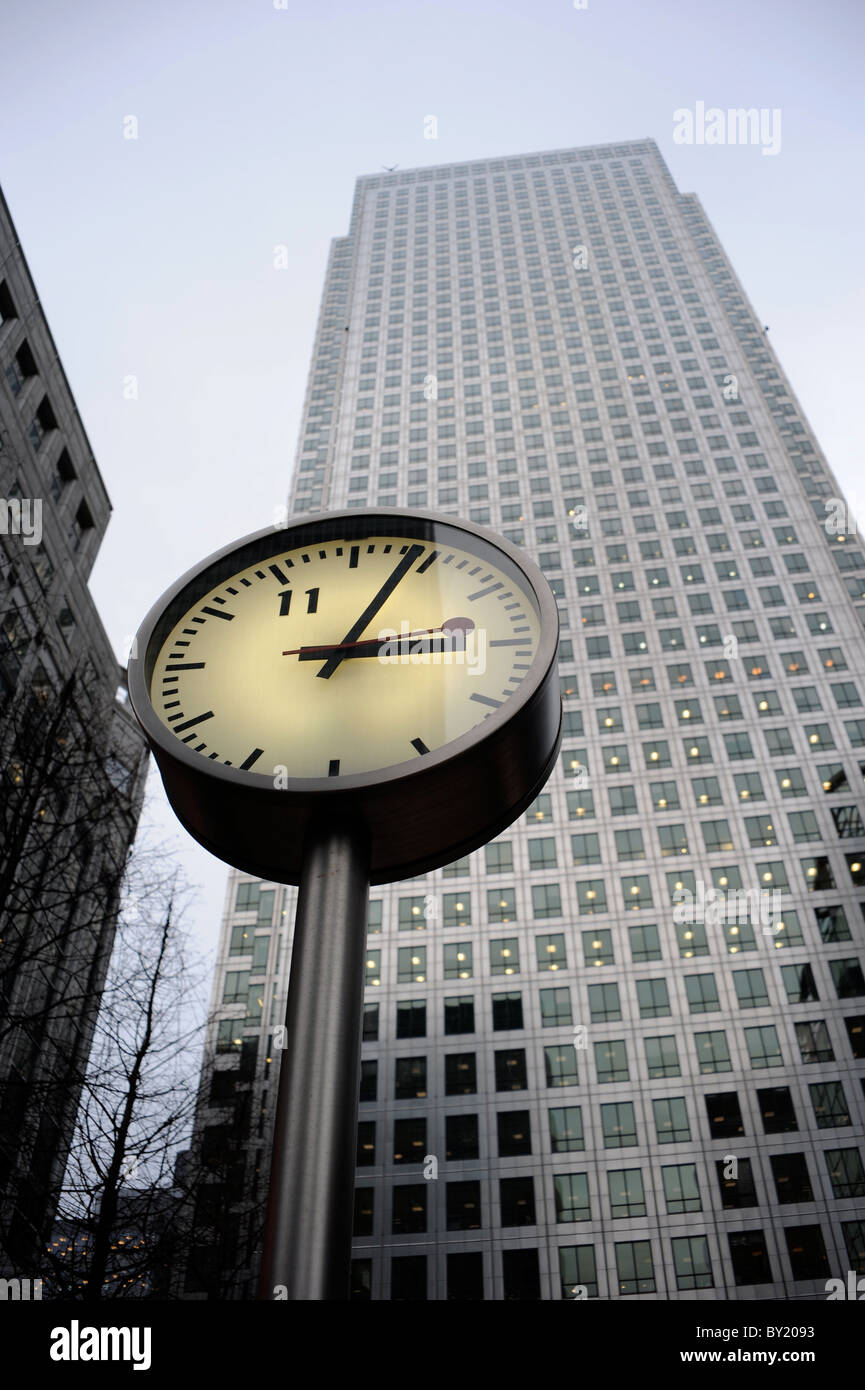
(307, 1245)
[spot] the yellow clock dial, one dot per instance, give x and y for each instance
(346, 656)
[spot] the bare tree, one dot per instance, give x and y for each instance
(117, 1226)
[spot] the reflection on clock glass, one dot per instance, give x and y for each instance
(346, 655)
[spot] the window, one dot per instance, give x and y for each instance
(571, 1192)
(507, 1011)
(634, 1268)
(510, 1068)
(517, 1197)
(627, 1195)
(798, 981)
(813, 1040)
(847, 978)
(463, 1206)
(645, 943)
(829, 1104)
(410, 1082)
(560, 1063)
(713, 1052)
(409, 1209)
(409, 1139)
(681, 1189)
(611, 1061)
(556, 1007)
(501, 905)
(546, 900)
(792, 1182)
(618, 1125)
(671, 1120)
(702, 994)
(776, 1107)
(691, 1262)
(505, 956)
(807, 1252)
(662, 1057)
(653, 998)
(499, 858)
(411, 1018)
(566, 1129)
(846, 1172)
(456, 910)
(514, 1133)
(736, 1182)
(459, 1013)
(411, 964)
(550, 952)
(749, 1258)
(578, 1271)
(461, 1074)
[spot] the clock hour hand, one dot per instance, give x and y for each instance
(372, 646)
(371, 609)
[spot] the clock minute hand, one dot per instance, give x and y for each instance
(372, 608)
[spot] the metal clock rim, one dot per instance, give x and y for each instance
(330, 787)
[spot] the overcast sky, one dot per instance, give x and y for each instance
(154, 256)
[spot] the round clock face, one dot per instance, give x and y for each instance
(357, 650)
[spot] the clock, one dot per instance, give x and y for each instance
(390, 669)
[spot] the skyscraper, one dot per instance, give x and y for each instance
(72, 764)
(618, 1052)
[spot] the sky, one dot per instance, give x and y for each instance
(154, 255)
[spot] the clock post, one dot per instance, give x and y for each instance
(307, 1244)
(386, 762)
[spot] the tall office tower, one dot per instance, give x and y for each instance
(72, 765)
(618, 1052)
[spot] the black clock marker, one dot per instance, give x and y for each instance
(422, 568)
(216, 613)
(187, 666)
(333, 767)
(253, 757)
(486, 700)
(482, 593)
(353, 555)
(280, 574)
(196, 719)
(419, 744)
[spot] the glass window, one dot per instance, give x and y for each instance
(627, 1195)
(566, 1129)
(560, 1063)
(556, 1007)
(713, 1052)
(691, 1262)
(671, 1120)
(550, 952)
(634, 1268)
(459, 1013)
(571, 1192)
(681, 1189)
(618, 1125)
(611, 1061)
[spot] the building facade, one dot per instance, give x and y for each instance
(619, 1052)
(72, 764)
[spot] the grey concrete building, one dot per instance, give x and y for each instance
(72, 769)
(619, 1052)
